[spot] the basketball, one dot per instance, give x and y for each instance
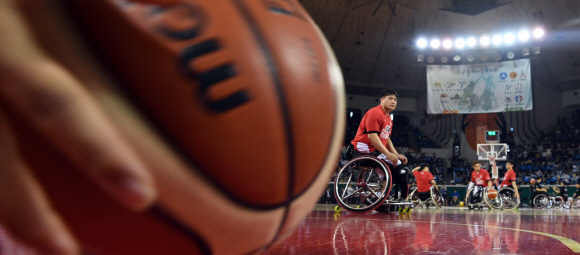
(237, 107)
(491, 194)
(533, 181)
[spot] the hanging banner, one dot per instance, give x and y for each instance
(481, 88)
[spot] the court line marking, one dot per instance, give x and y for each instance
(571, 244)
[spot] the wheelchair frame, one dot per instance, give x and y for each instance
(362, 192)
(436, 198)
(545, 201)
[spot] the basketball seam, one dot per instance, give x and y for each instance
(272, 68)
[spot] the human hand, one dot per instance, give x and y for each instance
(402, 158)
(392, 157)
(37, 84)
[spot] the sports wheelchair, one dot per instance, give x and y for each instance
(545, 201)
(363, 185)
(435, 198)
(505, 199)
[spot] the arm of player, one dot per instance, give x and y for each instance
(392, 149)
(434, 183)
(376, 142)
(515, 188)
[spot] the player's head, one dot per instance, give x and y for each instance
(389, 99)
(424, 167)
(577, 186)
(476, 165)
(509, 164)
(539, 179)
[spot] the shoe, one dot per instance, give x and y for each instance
(470, 206)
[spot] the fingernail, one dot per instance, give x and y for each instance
(134, 192)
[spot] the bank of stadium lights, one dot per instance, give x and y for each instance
(484, 41)
(471, 42)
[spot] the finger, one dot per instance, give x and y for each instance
(24, 209)
(55, 102)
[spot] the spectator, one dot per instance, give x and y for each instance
(454, 201)
(455, 194)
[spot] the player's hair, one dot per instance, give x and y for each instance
(422, 166)
(474, 162)
(388, 92)
(510, 161)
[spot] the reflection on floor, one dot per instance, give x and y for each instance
(431, 231)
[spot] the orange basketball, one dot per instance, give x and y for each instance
(533, 181)
(491, 194)
(245, 101)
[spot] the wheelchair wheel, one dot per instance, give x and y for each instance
(577, 203)
(413, 197)
(368, 184)
(540, 201)
(495, 203)
(508, 198)
(558, 202)
(437, 197)
(468, 195)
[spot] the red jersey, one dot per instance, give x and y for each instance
(509, 176)
(374, 121)
(480, 178)
(423, 180)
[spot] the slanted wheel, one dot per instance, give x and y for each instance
(508, 198)
(436, 197)
(558, 202)
(577, 203)
(495, 203)
(541, 201)
(367, 186)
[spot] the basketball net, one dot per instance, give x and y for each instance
(494, 170)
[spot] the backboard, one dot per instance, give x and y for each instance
(492, 152)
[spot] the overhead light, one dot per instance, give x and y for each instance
(457, 58)
(447, 44)
(444, 59)
(431, 59)
(460, 43)
(470, 58)
(435, 43)
(510, 55)
(538, 33)
(422, 43)
(471, 42)
(509, 38)
(526, 51)
(484, 41)
(523, 35)
(420, 57)
(496, 39)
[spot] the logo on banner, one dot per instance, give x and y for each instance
(508, 100)
(443, 98)
(456, 97)
(437, 84)
(519, 98)
(523, 75)
(503, 76)
(513, 75)
(519, 87)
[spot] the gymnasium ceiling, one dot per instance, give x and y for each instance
(374, 40)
